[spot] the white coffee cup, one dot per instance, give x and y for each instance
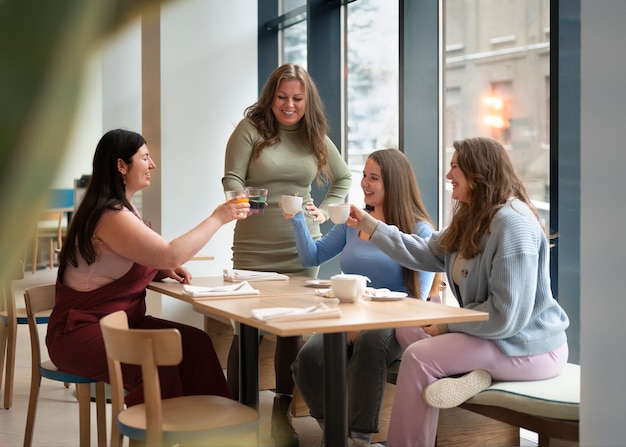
(291, 204)
(347, 287)
(339, 212)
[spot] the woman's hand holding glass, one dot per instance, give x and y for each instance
(233, 209)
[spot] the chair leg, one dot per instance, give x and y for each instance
(10, 363)
(35, 254)
(101, 414)
(35, 384)
(83, 393)
(3, 348)
(51, 253)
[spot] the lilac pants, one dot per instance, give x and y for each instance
(427, 359)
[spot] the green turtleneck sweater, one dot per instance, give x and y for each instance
(265, 242)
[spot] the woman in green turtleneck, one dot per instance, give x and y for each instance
(281, 145)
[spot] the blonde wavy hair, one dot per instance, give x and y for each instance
(314, 124)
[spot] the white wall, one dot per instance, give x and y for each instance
(110, 98)
(208, 77)
(603, 221)
(121, 80)
(87, 128)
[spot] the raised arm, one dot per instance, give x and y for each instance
(129, 237)
(409, 250)
(313, 253)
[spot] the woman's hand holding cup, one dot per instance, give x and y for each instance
(356, 215)
(290, 205)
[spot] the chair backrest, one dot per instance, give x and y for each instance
(37, 299)
(148, 348)
(50, 216)
(7, 299)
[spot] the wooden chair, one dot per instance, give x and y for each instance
(10, 317)
(187, 420)
(44, 230)
(40, 299)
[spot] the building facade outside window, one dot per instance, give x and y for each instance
(495, 82)
(497, 71)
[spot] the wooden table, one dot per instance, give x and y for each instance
(266, 288)
(362, 315)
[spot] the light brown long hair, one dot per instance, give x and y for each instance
(403, 205)
(314, 124)
(492, 181)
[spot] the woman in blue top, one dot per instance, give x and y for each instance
(391, 195)
(495, 254)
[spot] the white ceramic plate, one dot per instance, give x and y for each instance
(317, 283)
(389, 296)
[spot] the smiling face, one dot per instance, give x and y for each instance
(372, 185)
(137, 173)
(460, 188)
(289, 102)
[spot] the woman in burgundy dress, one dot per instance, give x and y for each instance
(108, 260)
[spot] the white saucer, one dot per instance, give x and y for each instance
(317, 283)
(390, 296)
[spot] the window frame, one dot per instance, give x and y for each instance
(421, 57)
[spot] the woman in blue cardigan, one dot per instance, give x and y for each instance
(391, 194)
(495, 253)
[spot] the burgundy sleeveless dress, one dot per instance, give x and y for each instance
(75, 343)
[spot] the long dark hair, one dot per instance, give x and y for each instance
(403, 205)
(105, 191)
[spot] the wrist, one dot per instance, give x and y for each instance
(368, 224)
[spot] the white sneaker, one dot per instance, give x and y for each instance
(451, 392)
(355, 442)
(352, 442)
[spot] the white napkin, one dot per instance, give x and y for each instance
(327, 293)
(278, 314)
(369, 291)
(243, 288)
(251, 275)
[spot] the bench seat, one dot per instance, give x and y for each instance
(549, 407)
(556, 398)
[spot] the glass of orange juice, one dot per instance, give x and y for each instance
(238, 192)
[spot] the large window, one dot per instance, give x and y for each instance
(293, 41)
(470, 67)
(497, 69)
(496, 82)
(372, 83)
